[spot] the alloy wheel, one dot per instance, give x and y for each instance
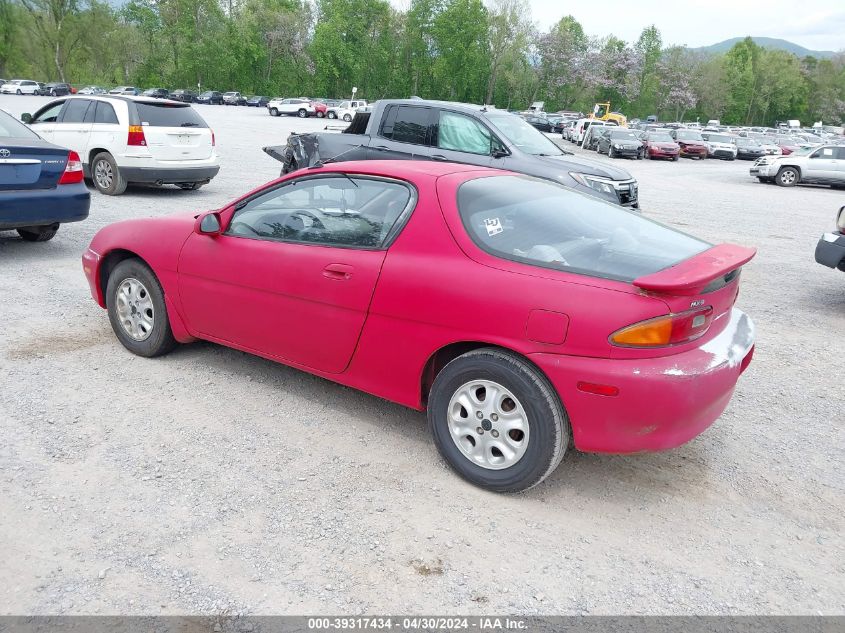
(135, 309)
(103, 174)
(488, 424)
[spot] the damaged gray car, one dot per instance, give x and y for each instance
(416, 129)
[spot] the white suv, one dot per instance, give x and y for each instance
(19, 87)
(124, 140)
(823, 165)
(300, 107)
(345, 110)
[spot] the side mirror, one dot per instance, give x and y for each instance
(208, 224)
(26, 117)
(500, 152)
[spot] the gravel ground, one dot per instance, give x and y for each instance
(212, 481)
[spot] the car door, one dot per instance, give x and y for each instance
(403, 134)
(106, 131)
(459, 138)
(73, 128)
(44, 121)
(821, 165)
(839, 171)
(292, 275)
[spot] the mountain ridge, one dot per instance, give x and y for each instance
(766, 42)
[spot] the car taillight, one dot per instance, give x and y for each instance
(73, 170)
(672, 329)
(136, 135)
(213, 141)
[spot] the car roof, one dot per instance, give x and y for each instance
(406, 169)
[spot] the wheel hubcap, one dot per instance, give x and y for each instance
(787, 177)
(488, 424)
(103, 174)
(135, 309)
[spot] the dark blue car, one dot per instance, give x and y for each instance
(41, 184)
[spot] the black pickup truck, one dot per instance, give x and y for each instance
(405, 129)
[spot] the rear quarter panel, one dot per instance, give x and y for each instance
(431, 294)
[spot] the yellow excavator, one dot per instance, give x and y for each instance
(601, 111)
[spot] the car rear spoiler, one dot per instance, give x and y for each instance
(692, 275)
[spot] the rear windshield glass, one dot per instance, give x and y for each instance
(10, 128)
(541, 223)
(689, 135)
(720, 138)
(169, 115)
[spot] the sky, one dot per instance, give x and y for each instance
(814, 24)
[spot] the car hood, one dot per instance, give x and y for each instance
(585, 165)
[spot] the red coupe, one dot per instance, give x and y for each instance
(523, 316)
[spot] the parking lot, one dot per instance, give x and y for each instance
(210, 480)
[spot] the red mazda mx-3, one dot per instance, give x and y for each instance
(523, 316)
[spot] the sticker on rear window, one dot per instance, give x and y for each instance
(493, 226)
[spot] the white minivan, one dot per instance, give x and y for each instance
(124, 139)
(19, 87)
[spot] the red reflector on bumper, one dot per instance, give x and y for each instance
(597, 389)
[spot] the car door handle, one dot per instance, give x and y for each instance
(439, 157)
(338, 272)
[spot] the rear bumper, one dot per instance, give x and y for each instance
(42, 207)
(830, 251)
(662, 402)
(169, 176)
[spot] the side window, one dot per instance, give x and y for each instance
(407, 124)
(824, 152)
(330, 211)
(105, 113)
(50, 114)
(463, 134)
(75, 110)
(840, 153)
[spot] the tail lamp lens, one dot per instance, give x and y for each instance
(672, 329)
(136, 136)
(73, 170)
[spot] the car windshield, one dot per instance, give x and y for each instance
(541, 223)
(745, 141)
(206, 94)
(11, 128)
(523, 135)
(689, 135)
(623, 134)
(719, 138)
(660, 138)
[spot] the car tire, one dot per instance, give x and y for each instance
(761, 179)
(106, 175)
(19, 93)
(610, 153)
(544, 427)
(274, 112)
(331, 115)
(302, 113)
(347, 118)
(787, 177)
(137, 312)
(38, 233)
(675, 158)
(320, 115)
